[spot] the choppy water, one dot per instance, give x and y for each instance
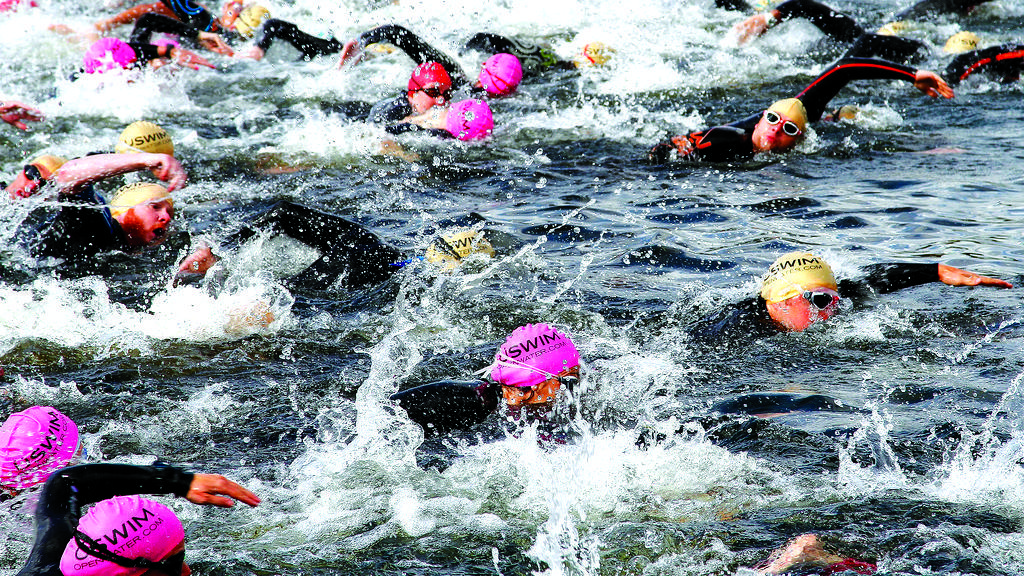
(923, 473)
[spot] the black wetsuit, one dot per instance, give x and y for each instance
(922, 9)
(78, 230)
(310, 46)
(750, 320)
(153, 23)
(533, 57)
(415, 48)
(67, 491)
(349, 254)
(193, 15)
(733, 141)
(999, 63)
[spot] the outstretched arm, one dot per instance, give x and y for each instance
(216, 490)
(957, 277)
(16, 113)
(834, 24)
(75, 174)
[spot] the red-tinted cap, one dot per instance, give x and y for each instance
(430, 73)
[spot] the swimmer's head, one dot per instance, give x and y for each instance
(961, 42)
(893, 28)
(501, 74)
(470, 120)
(780, 127)
(593, 54)
(451, 248)
(429, 86)
(99, 546)
(249, 20)
(34, 443)
(108, 54)
(799, 290)
(144, 210)
(533, 363)
(144, 136)
(34, 175)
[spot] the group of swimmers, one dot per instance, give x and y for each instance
(538, 366)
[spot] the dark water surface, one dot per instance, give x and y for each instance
(915, 463)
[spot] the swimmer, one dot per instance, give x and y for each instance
(350, 255)
(429, 85)
(198, 22)
(781, 126)
(113, 54)
(35, 443)
(463, 120)
(800, 290)
(806, 555)
(1001, 63)
(70, 544)
(16, 114)
(84, 225)
(537, 365)
(33, 176)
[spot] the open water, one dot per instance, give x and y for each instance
(918, 469)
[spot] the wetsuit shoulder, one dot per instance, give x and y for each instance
(824, 88)
(80, 228)
(744, 322)
(151, 23)
(68, 490)
(391, 110)
(443, 407)
(892, 48)
(1001, 63)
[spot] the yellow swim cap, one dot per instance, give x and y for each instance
(250, 19)
(893, 28)
(793, 109)
(144, 136)
(451, 248)
(593, 54)
(793, 273)
(49, 162)
(131, 195)
(961, 42)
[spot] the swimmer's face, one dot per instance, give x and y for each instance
(774, 132)
(28, 181)
(148, 223)
(427, 97)
(799, 312)
(544, 393)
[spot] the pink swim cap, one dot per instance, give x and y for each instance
(130, 527)
(532, 354)
(500, 75)
(470, 120)
(34, 443)
(108, 54)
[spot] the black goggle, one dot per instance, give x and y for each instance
(435, 92)
(820, 300)
(31, 172)
(789, 127)
(172, 565)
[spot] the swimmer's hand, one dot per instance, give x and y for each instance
(251, 53)
(676, 147)
(205, 488)
(214, 43)
(753, 27)
(168, 169)
(198, 262)
(189, 58)
(957, 277)
(351, 54)
(16, 113)
(932, 85)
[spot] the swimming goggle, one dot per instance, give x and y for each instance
(820, 300)
(170, 565)
(435, 92)
(31, 172)
(789, 127)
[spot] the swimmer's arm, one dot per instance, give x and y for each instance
(970, 62)
(957, 277)
(884, 278)
(16, 113)
(436, 117)
(76, 174)
(198, 262)
(216, 490)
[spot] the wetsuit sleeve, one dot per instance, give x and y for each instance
(144, 53)
(820, 92)
(927, 8)
(193, 14)
(717, 144)
(350, 253)
(834, 24)
(68, 490)
(309, 45)
(415, 48)
(1000, 63)
(390, 110)
(885, 278)
(151, 23)
(892, 48)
